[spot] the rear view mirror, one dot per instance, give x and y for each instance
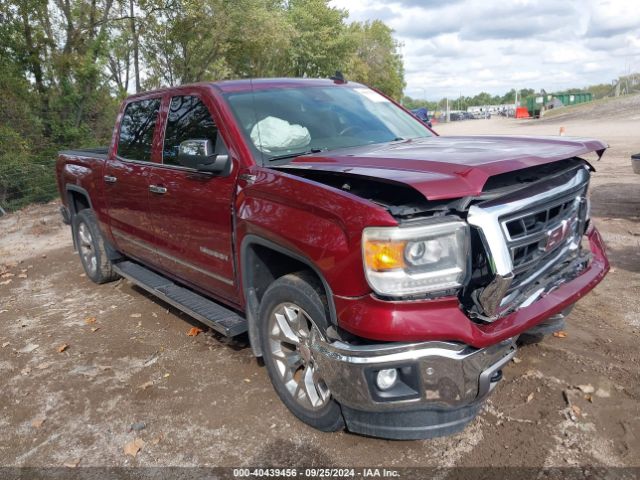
(198, 154)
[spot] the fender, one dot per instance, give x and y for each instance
(252, 302)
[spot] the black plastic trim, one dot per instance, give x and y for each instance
(410, 425)
(97, 152)
(549, 326)
(69, 187)
(252, 303)
(75, 188)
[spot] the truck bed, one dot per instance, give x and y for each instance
(94, 152)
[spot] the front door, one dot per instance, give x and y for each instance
(191, 212)
(126, 178)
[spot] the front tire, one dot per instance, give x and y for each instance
(91, 247)
(530, 338)
(292, 314)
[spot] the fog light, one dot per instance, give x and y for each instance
(386, 378)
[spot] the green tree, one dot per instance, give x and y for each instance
(185, 42)
(53, 90)
(525, 92)
(413, 103)
(509, 97)
(260, 38)
(65, 65)
(601, 90)
(320, 44)
(375, 60)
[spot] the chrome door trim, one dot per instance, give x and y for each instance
(159, 189)
(142, 244)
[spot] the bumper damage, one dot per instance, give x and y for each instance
(439, 389)
(443, 319)
(440, 385)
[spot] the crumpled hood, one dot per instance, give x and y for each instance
(448, 167)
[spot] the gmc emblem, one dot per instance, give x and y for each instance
(555, 236)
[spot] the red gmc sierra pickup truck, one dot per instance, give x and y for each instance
(383, 273)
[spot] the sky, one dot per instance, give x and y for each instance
(454, 47)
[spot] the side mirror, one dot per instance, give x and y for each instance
(198, 154)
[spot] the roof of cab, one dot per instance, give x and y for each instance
(268, 83)
(246, 84)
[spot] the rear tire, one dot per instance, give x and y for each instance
(292, 313)
(91, 247)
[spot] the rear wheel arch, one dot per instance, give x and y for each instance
(78, 199)
(262, 262)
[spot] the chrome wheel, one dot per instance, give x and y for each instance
(87, 250)
(291, 336)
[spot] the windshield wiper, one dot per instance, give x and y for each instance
(297, 154)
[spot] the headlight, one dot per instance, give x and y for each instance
(408, 260)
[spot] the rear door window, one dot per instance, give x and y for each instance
(136, 129)
(189, 119)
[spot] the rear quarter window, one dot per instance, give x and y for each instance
(136, 129)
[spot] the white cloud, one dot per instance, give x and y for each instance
(469, 46)
(610, 17)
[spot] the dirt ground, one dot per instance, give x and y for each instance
(87, 369)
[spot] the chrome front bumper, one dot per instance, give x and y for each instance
(447, 375)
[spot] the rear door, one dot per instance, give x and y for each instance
(191, 212)
(126, 177)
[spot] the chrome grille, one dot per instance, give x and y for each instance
(528, 241)
(528, 235)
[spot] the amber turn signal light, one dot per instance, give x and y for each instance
(384, 255)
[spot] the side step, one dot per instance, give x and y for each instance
(221, 319)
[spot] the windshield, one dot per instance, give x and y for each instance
(285, 122)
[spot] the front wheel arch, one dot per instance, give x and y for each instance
(292, 318)
(255, 280)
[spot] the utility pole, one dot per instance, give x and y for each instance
(448, 117)
(135, 34)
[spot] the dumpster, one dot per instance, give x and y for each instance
(539, 102)
(635, 163)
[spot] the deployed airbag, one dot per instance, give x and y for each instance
(273, 134)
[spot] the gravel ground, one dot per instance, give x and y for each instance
(87, 370)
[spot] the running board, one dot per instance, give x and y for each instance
(221, 319)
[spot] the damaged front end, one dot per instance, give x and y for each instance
(532, 238)
(526, 229)
(445, 342)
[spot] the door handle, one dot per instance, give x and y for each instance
(110, 179)
(157, 189)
